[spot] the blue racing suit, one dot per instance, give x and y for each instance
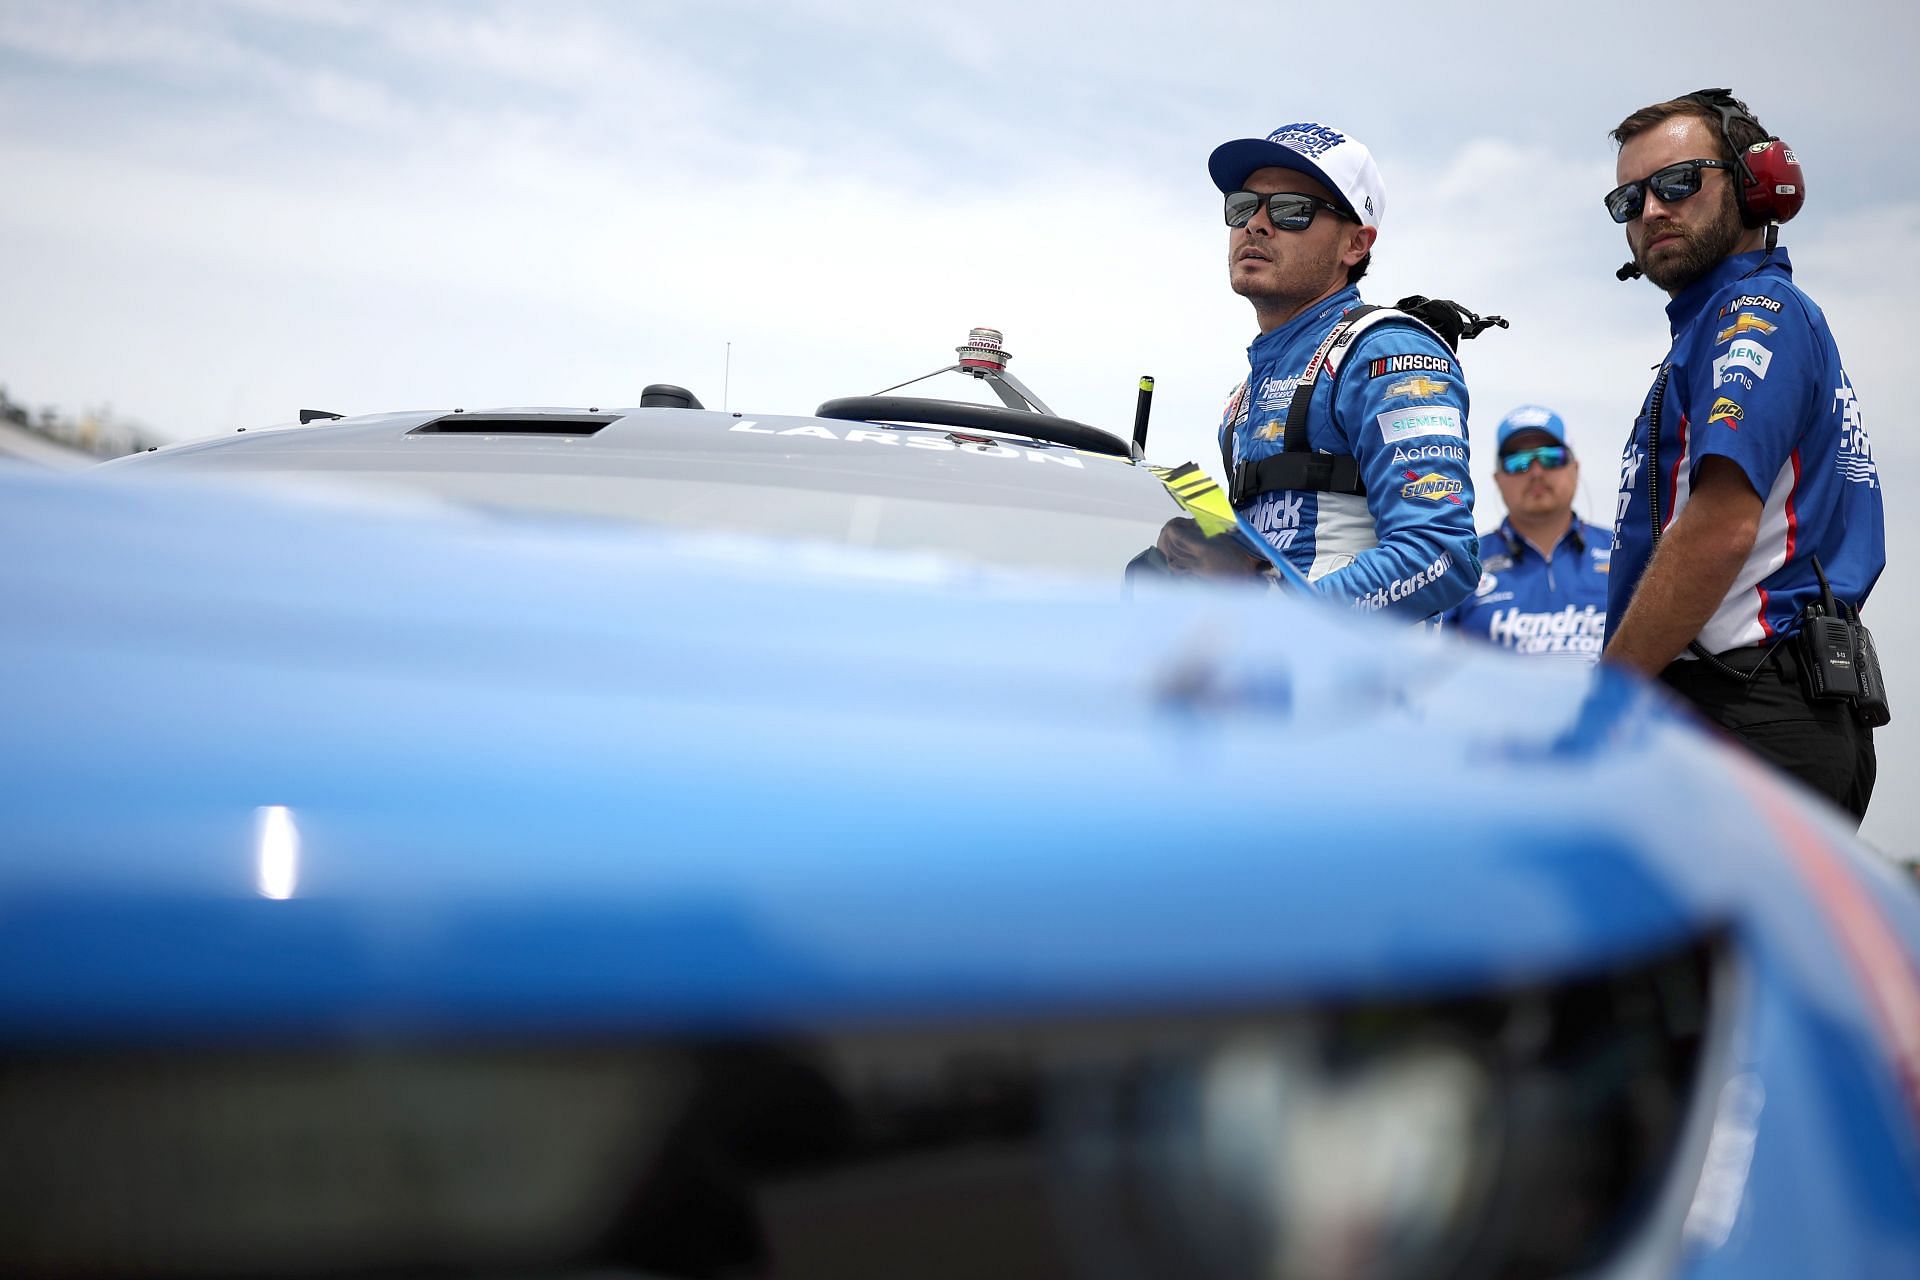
(1553, 604)
(1754, 377)
(1392, 399)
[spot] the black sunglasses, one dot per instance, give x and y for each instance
(1551, 457)
(1288, 210)
(1675, 182)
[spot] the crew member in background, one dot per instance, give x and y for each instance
(1367, 494)
(1543, 581)
(1748, 477)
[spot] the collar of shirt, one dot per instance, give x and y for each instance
(1516, 543)
(1317, 319)
(1694, 298)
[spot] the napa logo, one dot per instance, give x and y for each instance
(1433, 487)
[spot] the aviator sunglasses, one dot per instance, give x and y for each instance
(1551, 457)
(1673, 183)
(1288, 210)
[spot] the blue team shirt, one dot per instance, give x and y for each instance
(1555, 605)
(1754, 376)
(1394, 400)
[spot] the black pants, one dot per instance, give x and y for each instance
(1821, 743)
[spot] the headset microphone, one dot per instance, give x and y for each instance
(1627, 271)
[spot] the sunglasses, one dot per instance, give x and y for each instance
(1673, 183)
(1288, 210)
(1551, 457)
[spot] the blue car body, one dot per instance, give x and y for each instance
(556, 782)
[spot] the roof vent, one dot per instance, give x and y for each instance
(516, 424)
(664, 395)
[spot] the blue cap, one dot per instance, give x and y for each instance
(1530, 417)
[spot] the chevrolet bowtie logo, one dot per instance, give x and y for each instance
(1418, 388)
(1745, 324)
(1271, 431)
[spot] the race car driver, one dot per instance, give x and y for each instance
(1366, 491)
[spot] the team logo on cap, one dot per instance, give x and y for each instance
(1310, 140)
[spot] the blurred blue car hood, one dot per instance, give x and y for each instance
(522, 775)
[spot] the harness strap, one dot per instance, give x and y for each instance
(1298, 467)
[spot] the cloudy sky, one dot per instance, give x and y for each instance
(215, 213)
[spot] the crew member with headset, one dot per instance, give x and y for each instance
(1543, 589)
(1346, 446)
(1750, 527)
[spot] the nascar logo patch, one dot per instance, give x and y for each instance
(1392, 365)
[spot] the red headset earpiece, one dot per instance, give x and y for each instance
(1773, 187)
(1768, 183)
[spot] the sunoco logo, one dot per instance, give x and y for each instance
(1432, 486)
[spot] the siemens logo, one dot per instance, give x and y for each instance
(1409, 423)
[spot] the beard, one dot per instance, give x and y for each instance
(1699, 248)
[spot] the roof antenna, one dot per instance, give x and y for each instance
(984, 357)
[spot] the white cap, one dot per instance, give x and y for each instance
(1339, 162)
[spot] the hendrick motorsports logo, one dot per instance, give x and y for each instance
(1432, 486)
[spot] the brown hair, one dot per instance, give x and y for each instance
(1707, 105)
